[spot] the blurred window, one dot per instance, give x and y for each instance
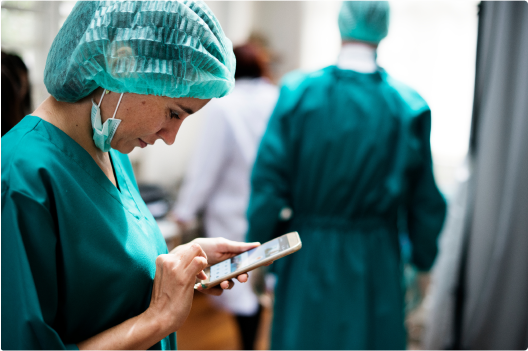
(432, 47)
(28, 29)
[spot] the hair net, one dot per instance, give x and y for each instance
(165, 48)
(364, 20)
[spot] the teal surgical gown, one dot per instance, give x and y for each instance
(349, 154)
(78, 255)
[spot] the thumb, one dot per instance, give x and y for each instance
(201, 275)
(239, 247)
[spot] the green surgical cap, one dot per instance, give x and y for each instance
(164, 48)
(364, 20)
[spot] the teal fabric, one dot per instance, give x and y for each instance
(349, 153)
(165, 48)
(78, 255)
(364, 20)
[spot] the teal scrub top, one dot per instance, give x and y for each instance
(78, 255)
(350, 154)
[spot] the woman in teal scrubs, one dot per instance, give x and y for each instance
(346, 162)
(84, 264)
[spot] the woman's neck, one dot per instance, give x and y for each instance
(74, 120)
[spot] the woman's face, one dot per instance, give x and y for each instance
(146, 118)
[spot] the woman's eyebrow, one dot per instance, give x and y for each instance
(186, 109)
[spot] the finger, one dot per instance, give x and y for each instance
(196, 267)
(227, 284)
(235, 247)
(201, 275)
(243, 277)
(269, 263)
(215, 290)
(188, 254)
(159, 273)
(197, 250)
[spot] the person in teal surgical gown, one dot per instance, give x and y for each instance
(346, 162)
(84, 264)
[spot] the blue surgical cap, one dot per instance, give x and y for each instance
(364, 20)
(164, 48)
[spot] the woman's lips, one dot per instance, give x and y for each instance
(142, 144)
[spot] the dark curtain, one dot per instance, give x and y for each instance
(492, 299)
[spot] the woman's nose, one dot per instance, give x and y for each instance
(168, 133)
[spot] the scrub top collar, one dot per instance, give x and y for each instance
(357, 57)
(80, 156)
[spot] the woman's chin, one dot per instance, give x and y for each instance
(125, 149)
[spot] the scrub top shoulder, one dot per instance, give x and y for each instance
(78, 255)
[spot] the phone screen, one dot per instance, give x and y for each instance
(247, 258)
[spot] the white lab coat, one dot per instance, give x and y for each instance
(218, 177)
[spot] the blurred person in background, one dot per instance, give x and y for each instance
(21, 76)
(10, 102)
(346, 162)
(84, 264)
(218, 178)
(16, 91)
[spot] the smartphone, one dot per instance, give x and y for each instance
(249, 260)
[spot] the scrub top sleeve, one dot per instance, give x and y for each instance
(427, 207)
(206, 165)
(270, 188)
(29, 274)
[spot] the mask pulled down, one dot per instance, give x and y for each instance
(103, 132)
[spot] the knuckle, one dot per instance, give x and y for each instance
(195, 247)
(160, 260)
(168, 264)
(199, 262)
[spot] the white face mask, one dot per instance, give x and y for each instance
(103, 133)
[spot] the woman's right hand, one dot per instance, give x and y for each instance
(170, 304)
(173, 288)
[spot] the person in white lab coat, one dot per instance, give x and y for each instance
(218, 178)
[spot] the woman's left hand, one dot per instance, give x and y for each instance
(218, 250)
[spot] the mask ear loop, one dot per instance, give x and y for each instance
(118, 105)
(101, 99)
(114, 128)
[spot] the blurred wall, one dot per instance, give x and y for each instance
(280, 23)
(431, 46)
(28, 29)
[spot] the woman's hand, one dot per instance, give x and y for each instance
(174, 281)
(218, 250)
(170, 304)
(172, 294)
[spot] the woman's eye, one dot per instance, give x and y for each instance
(174, 114)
